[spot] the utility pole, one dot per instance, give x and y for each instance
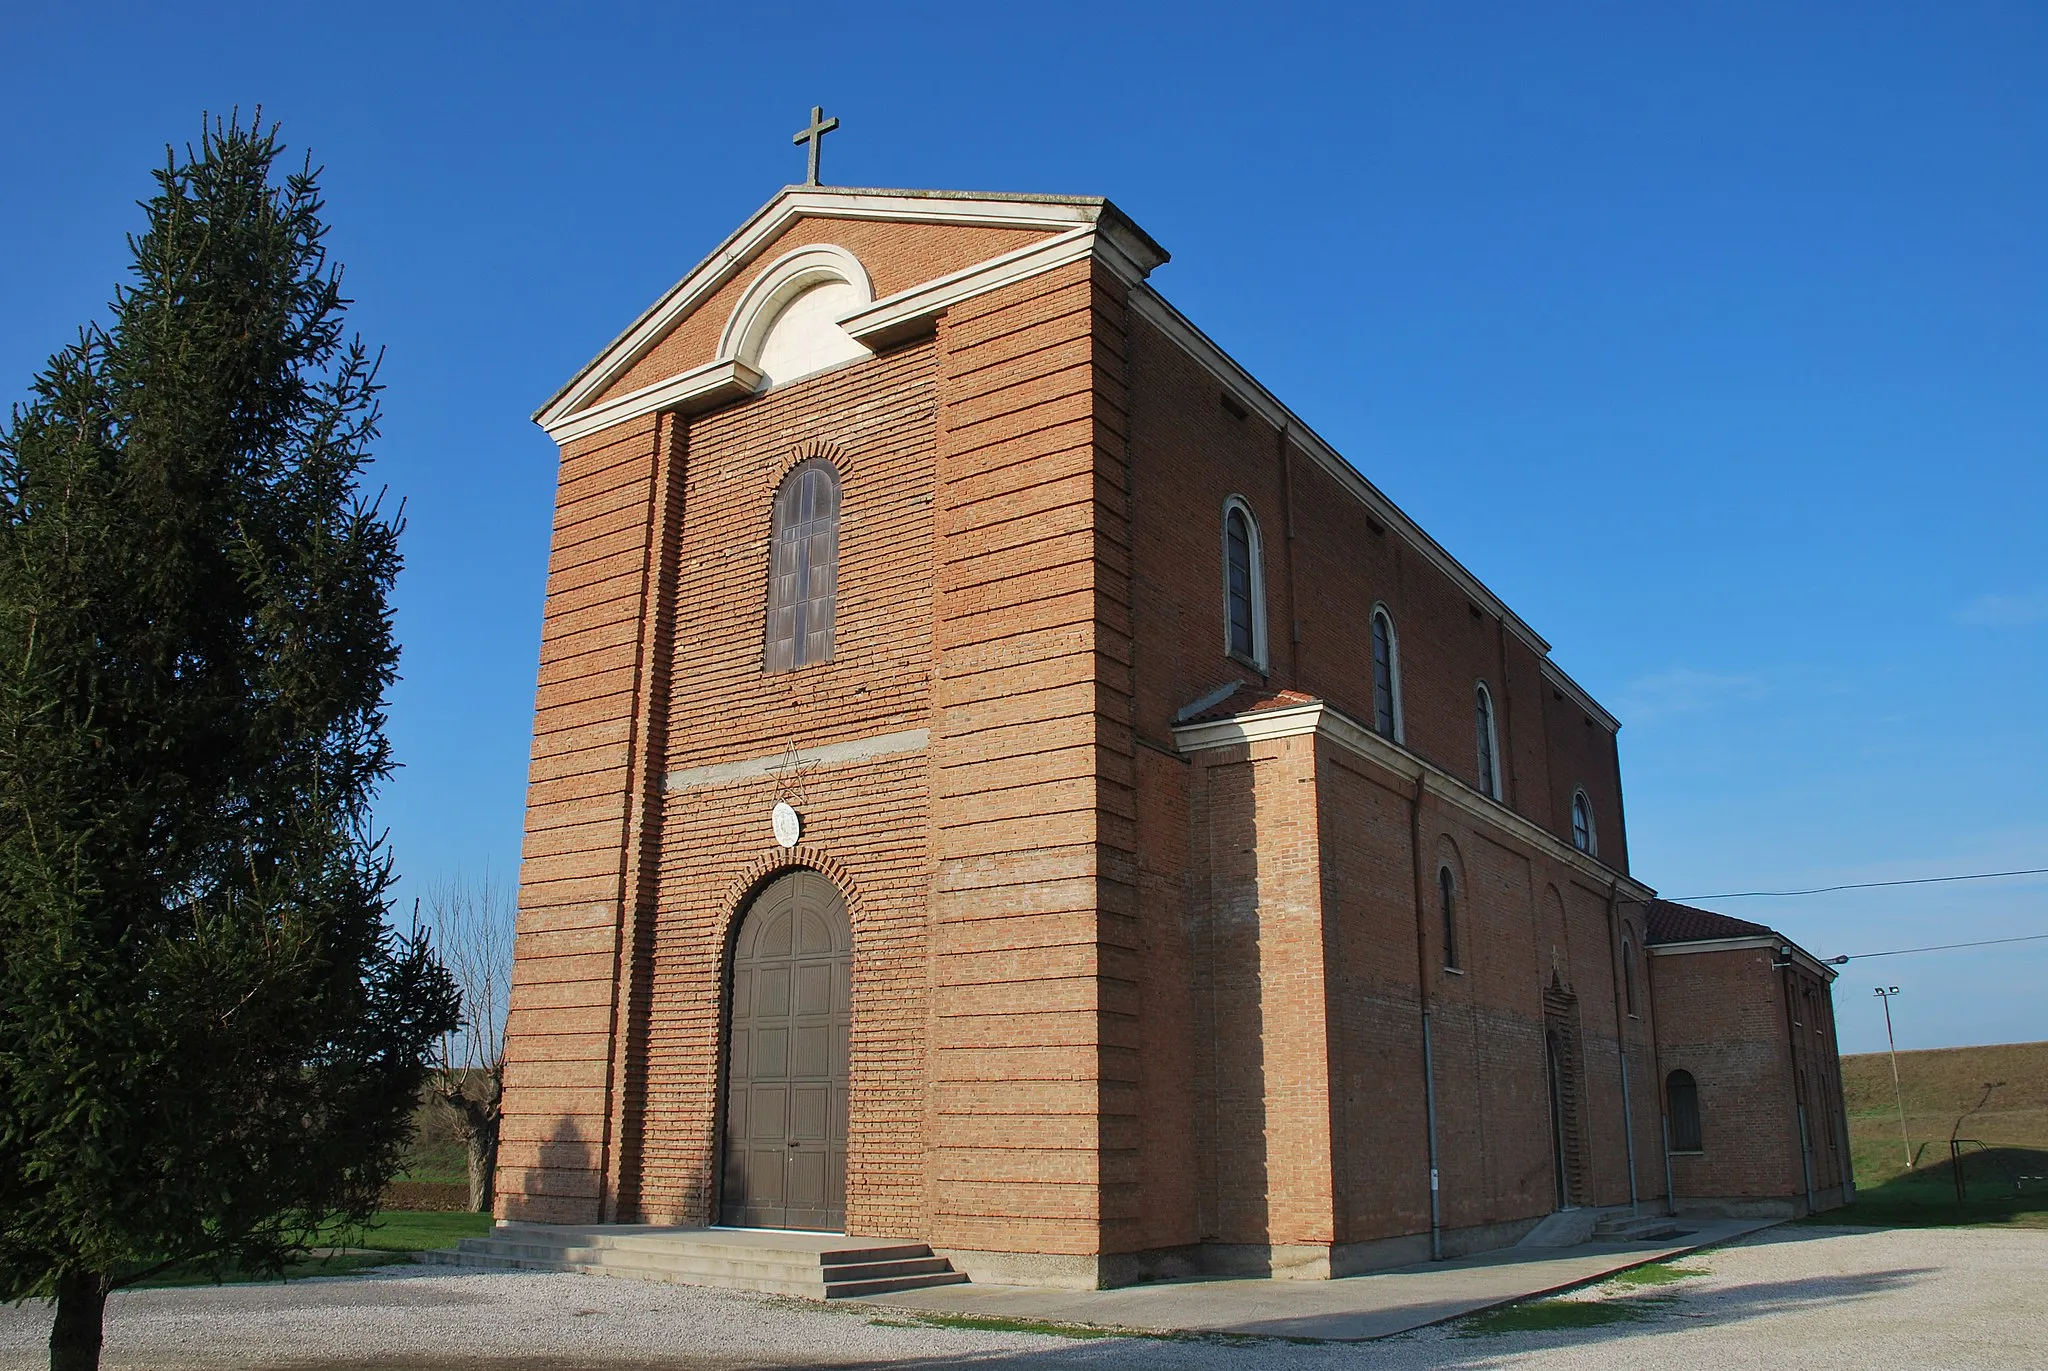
(1885, 993)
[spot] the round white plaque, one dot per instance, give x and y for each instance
(789, 825)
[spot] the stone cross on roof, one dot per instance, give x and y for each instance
(815, 136)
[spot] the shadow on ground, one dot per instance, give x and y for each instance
(1661, 1308)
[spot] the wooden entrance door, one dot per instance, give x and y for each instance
(786, 1067)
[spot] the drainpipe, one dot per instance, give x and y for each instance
(1657, 1070)
(1628, 1118)
(1436, 1225)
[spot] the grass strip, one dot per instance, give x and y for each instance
(393, 1236)
(1655, 1273)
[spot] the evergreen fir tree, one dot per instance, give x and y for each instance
(211, 1042)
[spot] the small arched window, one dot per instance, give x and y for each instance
(1386, 676)
(1244, 585)
(1628, 973)
(1489, 743)
(1447, 891)
(1583, 837)
(1682, 1096)
(803, 568)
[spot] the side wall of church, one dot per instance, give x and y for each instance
(1526, 914)
(1723, 1018)
(1817, 1063)
(1520, 915)
(1325, 568)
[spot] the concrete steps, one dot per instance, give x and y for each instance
(817, 1266)
(1571, 1227)
(1646, 1228)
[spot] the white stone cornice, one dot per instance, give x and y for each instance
(1325, 721)
(1805, 960)
(700, 388)
(908, 313)
(1129, 256)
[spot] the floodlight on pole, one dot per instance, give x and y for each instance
(1885, 993)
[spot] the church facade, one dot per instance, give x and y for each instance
(1001, 780)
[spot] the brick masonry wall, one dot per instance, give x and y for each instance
(1321, 585)
(1526, 914)
(1033, 910)
(1721, 1016)
(555, 1137)
(867, 823)
(1819, 1074)
(990, 1035)
(1265, 1137)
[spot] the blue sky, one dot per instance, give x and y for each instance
(1714, 337)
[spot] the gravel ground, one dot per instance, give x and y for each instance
(1810, 1297)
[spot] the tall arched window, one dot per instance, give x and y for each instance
(1628, 974)
(1244, 585)
(1386, 676)
(1489, 742)
(1447, 891)
(803, 568)
(1682, 1096)
(1583, 837)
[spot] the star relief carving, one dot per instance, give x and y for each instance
(789, 775)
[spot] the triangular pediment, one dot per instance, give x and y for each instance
(891, 260)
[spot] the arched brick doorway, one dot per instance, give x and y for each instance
(786, 1060)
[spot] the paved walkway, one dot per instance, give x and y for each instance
(1817, 1299)
(1352, 1309)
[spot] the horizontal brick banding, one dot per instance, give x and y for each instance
(566, 954)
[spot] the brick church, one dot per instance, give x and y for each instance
(1001, 780)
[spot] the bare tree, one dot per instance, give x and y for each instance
(472, 921)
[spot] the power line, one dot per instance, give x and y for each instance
(1943, 947)
(1860, 885)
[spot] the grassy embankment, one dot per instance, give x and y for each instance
(1996, 1095)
